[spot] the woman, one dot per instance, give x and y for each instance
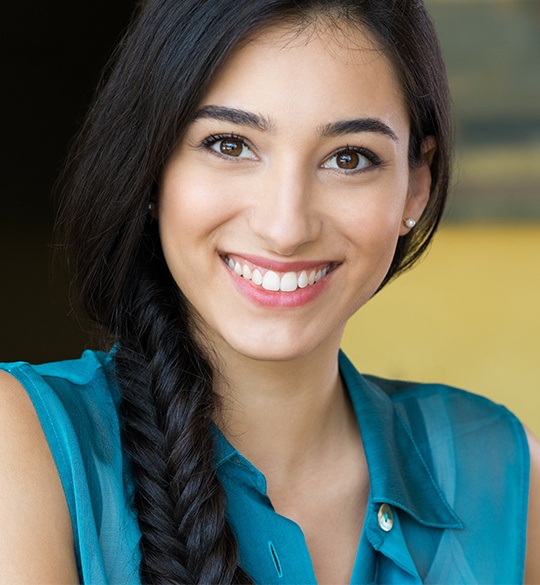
(248, 178)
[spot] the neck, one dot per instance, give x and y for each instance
(284, 416)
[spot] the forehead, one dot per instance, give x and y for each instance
(346, 42)
(326, 69)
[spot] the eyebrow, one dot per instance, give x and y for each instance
(339, 128)
(357, 125)
(234, 116)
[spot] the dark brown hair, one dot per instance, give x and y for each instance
(161, 71)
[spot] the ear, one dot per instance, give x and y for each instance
(419, 184)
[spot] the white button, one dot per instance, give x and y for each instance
(386, 518)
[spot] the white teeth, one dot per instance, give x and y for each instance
(271, 281)
(256, 277)
(289, 282)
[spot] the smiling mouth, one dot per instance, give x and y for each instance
(274, 281)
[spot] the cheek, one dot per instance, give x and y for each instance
(385, 235)
(372, 235)
(191, 207)
(374, 221)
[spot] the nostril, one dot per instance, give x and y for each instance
(276, 560)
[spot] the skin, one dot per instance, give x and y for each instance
(532, 567)
(36, 538)
(279, 203)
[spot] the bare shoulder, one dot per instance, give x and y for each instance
(36, 538)
(532, 571)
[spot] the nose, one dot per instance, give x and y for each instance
(284, 213)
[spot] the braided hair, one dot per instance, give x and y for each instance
(149, 95)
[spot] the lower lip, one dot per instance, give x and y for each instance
(278, 299)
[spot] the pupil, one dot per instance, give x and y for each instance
(231, 147)
(348, 160)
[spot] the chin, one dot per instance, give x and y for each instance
(266, 355)
(280, 347)
(268, 351)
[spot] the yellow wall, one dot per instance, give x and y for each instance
(468, 315)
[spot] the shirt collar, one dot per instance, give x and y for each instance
(398, 472)
(399, 475)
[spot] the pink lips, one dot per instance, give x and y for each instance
(259, 295)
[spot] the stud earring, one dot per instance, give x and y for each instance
(409, 222)
(151, 207)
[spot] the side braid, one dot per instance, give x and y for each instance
(167, 406)
(161, 72)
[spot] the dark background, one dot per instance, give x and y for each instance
(52, 55)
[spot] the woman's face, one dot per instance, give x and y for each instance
(280, 210)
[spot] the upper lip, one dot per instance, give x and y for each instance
(277, 266)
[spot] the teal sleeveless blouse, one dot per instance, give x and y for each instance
(449, 474)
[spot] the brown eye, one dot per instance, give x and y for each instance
(228, 146)
(352, 160)
(348, 159)
(231, 147)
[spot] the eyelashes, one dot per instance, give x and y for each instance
(348, 160)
